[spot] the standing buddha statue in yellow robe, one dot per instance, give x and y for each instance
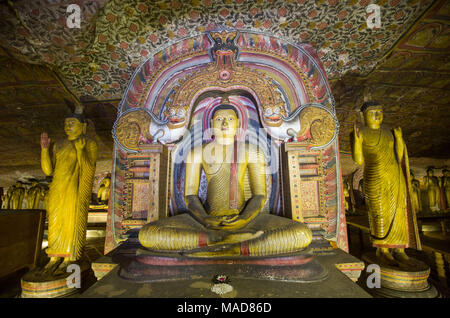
(415, 193)
(33, 195)
(226, 224)
(393, 225)
(17, 196)
(72, 166)
(446, 187)
(433, 194)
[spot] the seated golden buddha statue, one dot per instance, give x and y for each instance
(226, 224)
(103, 191)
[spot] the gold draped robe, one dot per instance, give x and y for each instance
(69, 197)
(183, 232)
(386, 191)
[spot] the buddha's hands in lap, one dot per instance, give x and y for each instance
(227, 222)
(235, 223)
(216, 221)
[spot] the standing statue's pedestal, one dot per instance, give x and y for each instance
(402, 282)
(36, 285)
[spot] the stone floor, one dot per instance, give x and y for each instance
(10, 285)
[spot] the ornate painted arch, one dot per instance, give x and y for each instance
(275, 84)
(282, 77)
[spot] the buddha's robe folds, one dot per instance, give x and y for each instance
(225, 191)
(385, 188)
(69, 197)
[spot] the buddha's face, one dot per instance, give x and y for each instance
(73, 128)
(430, 173)
(373, 117)
(106, 182)
(224, 125)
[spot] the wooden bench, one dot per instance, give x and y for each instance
(21, 233)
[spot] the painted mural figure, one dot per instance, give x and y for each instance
(225, 225)
(392, 224)
(72, 165)
(415, 193)
(433, 194)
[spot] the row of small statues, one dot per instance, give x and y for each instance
(19, 197)
(437, 191)
(432, 194)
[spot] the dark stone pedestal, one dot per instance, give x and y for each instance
(153, 267)
(201, 281)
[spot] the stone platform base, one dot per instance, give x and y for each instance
(126, 252)
(34, 285)
(153, 267)
(200, 285)
(406, 281)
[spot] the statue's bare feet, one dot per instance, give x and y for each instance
(386, 257)
(62, 268)
(51, 266)
(402, 258)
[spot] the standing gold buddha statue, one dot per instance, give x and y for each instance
(34, 195)
(393, 225)
(72, 165)
(415, 193)
(433, 194)
(445, 181)
(17, 196)
(226, 224)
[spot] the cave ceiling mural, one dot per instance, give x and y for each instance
(47, 68)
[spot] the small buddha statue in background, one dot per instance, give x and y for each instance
(445, 183)
(393, 226)
(2, 197)
(8, 194)
(104, 190)
(346, 195)
(33, 195)
(226, 224)
(415, 193)
(17, 196)
(433, 193)
(72, 164)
